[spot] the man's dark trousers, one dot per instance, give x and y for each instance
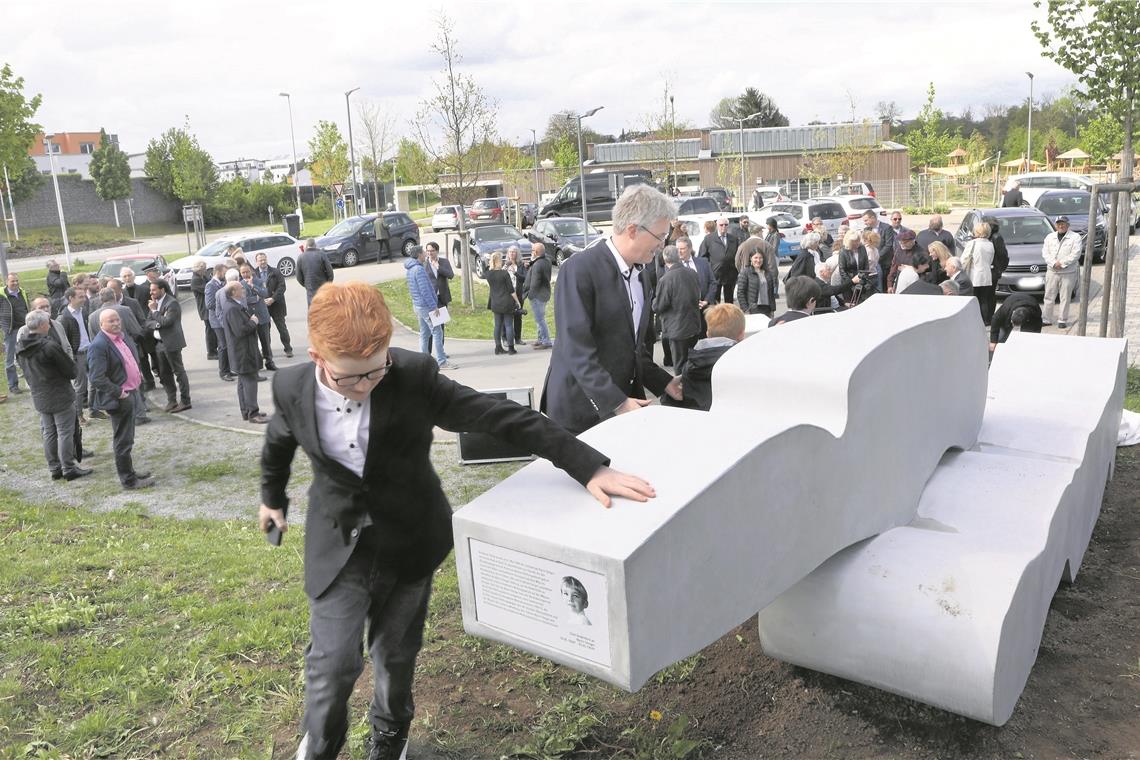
(123, 438)
(171, 369)
(394, 609)
(247, 394)
(223, 357)
(211, 340)
(148, 350)
(680, 351)
(277, 314)
(264, 335)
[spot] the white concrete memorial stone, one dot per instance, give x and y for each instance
(949, 609)
(821, 434)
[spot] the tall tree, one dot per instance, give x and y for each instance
(111, 171)
(1102, 138)
(562, 124)
(927, 140)
(1097, 40)
(178, 166)
(17, 133)
(752, 101)
(328, 155)
(377, 139)
(721, 116)
(888, 112)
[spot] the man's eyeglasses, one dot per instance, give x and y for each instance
(654, 235)
(347, 381)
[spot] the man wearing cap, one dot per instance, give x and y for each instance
(1062, 250)
(905, 248)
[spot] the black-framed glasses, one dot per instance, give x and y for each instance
(347, 381)
(659, 238)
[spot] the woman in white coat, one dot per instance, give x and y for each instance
(977, 258)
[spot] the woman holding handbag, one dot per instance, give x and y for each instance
(977, 261)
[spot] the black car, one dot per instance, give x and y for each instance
(488, 239)
(354, 239)
(697, 204)
(562, 236)
(1075, 205)
(722, 196)
(1024, 231)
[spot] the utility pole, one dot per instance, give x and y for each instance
(293, 138)
(352, 153)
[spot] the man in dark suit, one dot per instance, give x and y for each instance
(378, 523)
(313, 269)
(935, 233)
(113, 371)
(240, 326)
(602, 315)
(274, 283)
(803, 292)
(166, 317)
(147, 346)
(538, 289)
(886, 251)
(198, 283)
(1012, 197)
(962, 279)
(439, 271)
(675, 301)
(706, 284)
(1019, 311)
(75, 326)
(719, 249)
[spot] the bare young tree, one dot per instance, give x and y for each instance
(377, 140)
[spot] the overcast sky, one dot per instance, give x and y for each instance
(137, 67)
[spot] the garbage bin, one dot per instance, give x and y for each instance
(292, 224)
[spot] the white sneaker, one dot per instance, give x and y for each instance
(303, 748)
(448, 365)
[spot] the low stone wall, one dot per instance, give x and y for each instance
(81, 205)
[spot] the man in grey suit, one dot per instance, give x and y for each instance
(166, 317)
(240, 325)
(313, 269)
(719, 249)
(602, 316)
(886, 245)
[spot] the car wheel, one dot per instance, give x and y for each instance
(480, 267)
(435, 229)
(409, 244)
(286, 266)
(560, 257)
(350, 258)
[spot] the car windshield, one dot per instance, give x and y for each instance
(1074, 204)
(571, 227)
(863, 203)
(1025, 229)
(446, 211)
(346, 228)
(217, 248)
(498, 232)
(486, 203)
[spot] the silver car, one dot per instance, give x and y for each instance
(446, 218)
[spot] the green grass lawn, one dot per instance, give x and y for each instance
(90, 234)
(1132, 393)
(466, 322)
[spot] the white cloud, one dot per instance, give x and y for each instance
(137, 68)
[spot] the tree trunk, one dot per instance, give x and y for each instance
(115, 205)
(1124, 221)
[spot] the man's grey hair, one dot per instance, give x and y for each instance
(641, 205)
(36, 319)
(671, 255)
(536, 250)
(950, 288)
(232, 275)
(108, 295)
(811, 240)
(955, 262)
(234, 289)
(310, 244)
(124, 270)
(822, 267)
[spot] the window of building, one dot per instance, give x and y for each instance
(86, 148)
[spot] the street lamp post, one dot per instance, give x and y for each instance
(351, 148)
(673, 124)
(534, 146)
(741, 123)
(1029, 129)
(58, 201)
(582, 163)
(293, 139)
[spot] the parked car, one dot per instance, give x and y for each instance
(485, 240)
(446, 218)
(602, 191)
(1075, 205)
(529, 214)
(696, 204)
(354, 239)
(1024, 231)
(140, 263)
(723, 197)
(280, 249)
(830, 210)
(853, 188)
(562, 236)
(769, 194)
(855, 205)
(487, 211)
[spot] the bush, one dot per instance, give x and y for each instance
(910, 210)
(315, 211)
(235, 202)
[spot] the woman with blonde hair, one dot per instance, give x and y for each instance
(939, 255)
(854, 263)
(503, 303)
(977, 260)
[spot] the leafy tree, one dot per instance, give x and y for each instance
(328, 155)
(1102, 138)
(753, 101)
(927, 140)
(721, 116)
(565, 157)
(889, 112)
(563, 124)
(17, 133)
(413, 164)
(159, 166)
(111, 172)
(179, 168)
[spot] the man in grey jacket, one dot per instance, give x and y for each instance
(538, 290)
(313, 269)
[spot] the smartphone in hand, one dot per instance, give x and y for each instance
(273, 535)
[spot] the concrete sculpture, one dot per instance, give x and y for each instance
(783, 472)
(950, 609)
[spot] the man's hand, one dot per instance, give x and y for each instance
(632, 405)
(702, 304)
(856, 279)
(436, 313)
(253, 318)
(608, 482)
(153, 305)
(674, 389)
(993, 347)
(123, 393)
(267, 517)
(269, 301)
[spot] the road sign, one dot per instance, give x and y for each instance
(338, 187)
(340, 203)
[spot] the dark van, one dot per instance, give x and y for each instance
(602, 190)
